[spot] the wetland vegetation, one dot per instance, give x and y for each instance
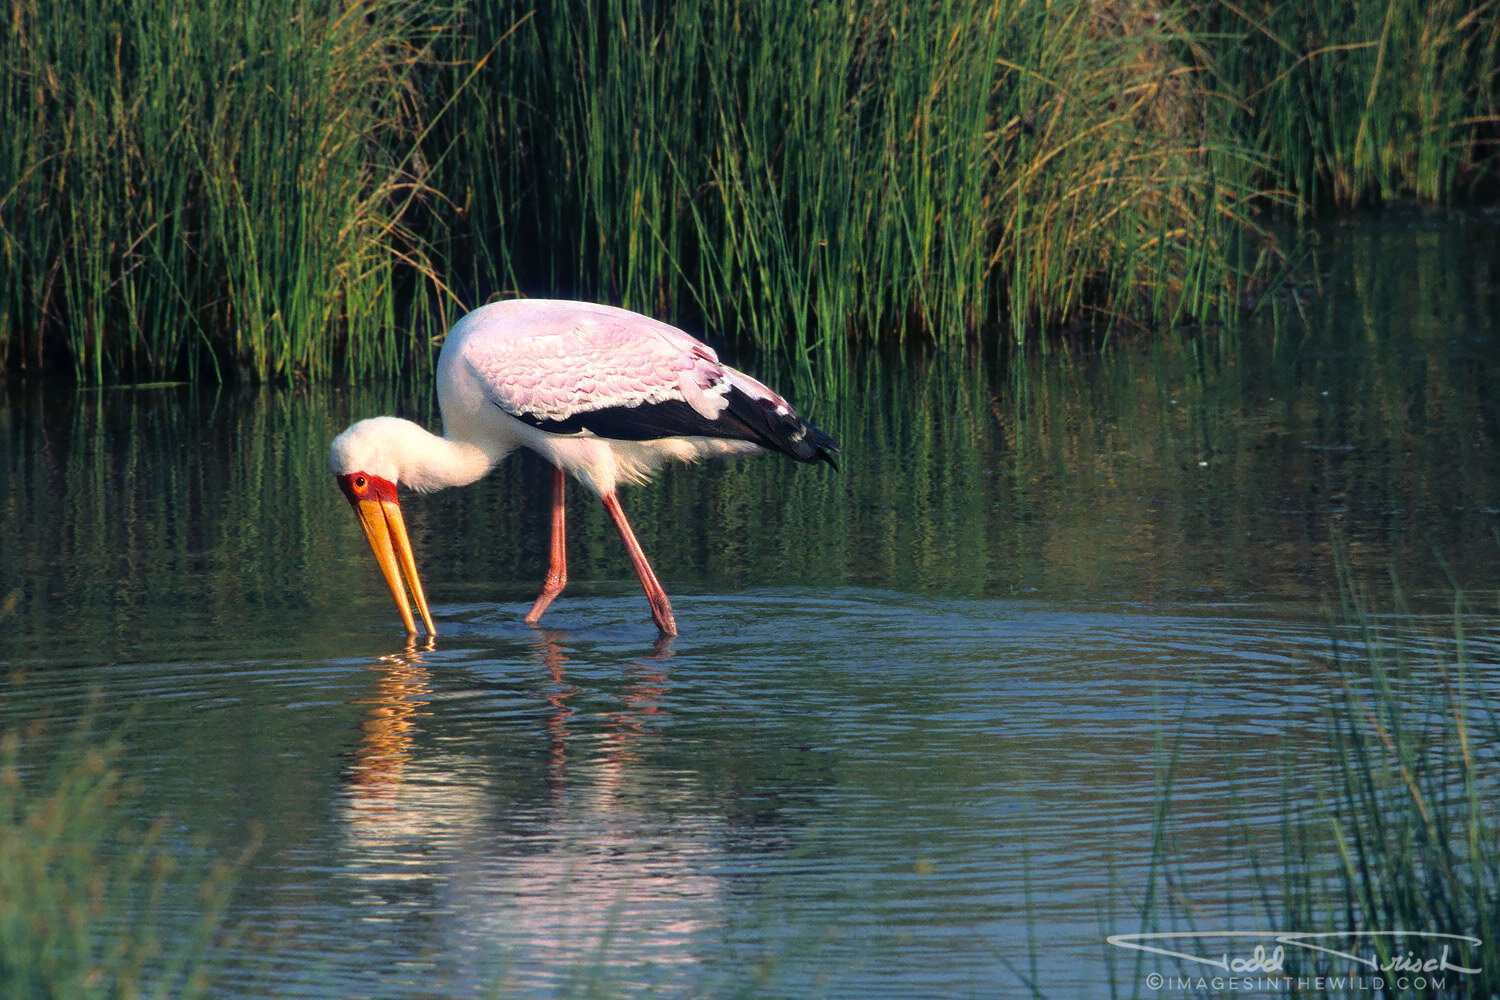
(1121, 627)
(1013, 681)
(284, 190)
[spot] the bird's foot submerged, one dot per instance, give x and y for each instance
(661, 611)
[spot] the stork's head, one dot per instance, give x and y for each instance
(366, 460)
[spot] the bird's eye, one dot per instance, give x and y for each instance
(359, 482)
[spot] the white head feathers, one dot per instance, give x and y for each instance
(407, 454)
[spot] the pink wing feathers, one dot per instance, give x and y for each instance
(572, 368)
(553, 364)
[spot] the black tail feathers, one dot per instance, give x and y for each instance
(822, 446)
(775, 426)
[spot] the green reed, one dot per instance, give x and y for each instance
(198, 193)
(1405, 833)
(811, 176)
(1392, 827)
(1349, 102)
(289, 190)
(84, 898)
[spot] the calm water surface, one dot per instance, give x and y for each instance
(910, 742)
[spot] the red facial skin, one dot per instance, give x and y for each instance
(359, 486)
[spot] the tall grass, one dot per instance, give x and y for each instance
(1409, 836)
(1391, 831)
(207, 191)
(815, 175)
(1364, 101)
(81, 894)
(297, 190)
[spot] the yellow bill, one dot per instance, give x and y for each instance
(385, 530)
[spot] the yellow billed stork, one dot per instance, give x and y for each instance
(604, 394)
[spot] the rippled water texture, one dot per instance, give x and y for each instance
(913, 738)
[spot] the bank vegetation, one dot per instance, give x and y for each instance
(309, 190)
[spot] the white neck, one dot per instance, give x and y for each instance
(443, 462)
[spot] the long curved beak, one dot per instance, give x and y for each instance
(385, 530)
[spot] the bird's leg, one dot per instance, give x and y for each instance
(661, 608)
(557, 568)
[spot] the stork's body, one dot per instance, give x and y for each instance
(603, 394)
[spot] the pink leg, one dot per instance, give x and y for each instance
(557, 569)
(661, 608)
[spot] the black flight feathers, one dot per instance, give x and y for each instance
(744, 418)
